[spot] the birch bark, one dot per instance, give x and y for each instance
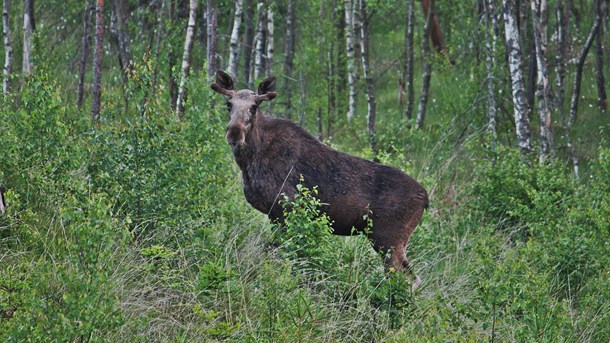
(368, 79)
(234, 47)
(186, 57)
(212, 38)
(8, 49)
(521, 110)
(270, 41)
(259, 42)
(28, 19)
(349, 46)
(539, 12)
(602, 97)
(490, 61)
(408, 74)
(249, 40)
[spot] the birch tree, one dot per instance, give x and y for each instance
(408, 67)
(8, 49)
(259, 41)
(212, 38)
(233, 46)
(427, 72)
(186, 57)
(85, 47)
(28, 29)
(350, 46)
(490, 61)
(539, 11)
(270, 41)
(563, 18)
(248, 40)
(520, 108)
(97, 60)
(602, 97)
(289, 55)
(368, 78)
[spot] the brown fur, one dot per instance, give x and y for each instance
(274, 153)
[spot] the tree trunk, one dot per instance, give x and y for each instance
(173, 84)
(368, 78)
(259, 41)
(122, 37)
(579, 65)
(270, 41)
(97, 61)
(2, 201)
(234, 47)
(186, 57)
(427, 73)
(602, 98)
(8, 50)
(248, 40)
(85, 43)
(521, 111)
(212, 40)
(563, 18)
(289, 57)
(340, 60)
(490, 61)
(349, 46)
(539, 13)
(408, 68)
(28, 28)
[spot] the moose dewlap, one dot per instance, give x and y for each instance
(274, 153)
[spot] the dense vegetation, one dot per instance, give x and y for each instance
(134, 228)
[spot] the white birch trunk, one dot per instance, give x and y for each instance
(211, 41)
(186, 57)
(490, 61)
(270, 47)
(28, 64)
(8, 49)
(351, 71)
(409, 56)
(259, 42)
(234, 48)
(539, 9)
(368, 79)
(521, 111)
(562, 52)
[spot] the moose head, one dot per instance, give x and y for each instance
(242, 105)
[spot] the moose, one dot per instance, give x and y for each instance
(274, 155)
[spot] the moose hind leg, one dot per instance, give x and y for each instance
(409, 268)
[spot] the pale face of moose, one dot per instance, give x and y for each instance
(242, 105)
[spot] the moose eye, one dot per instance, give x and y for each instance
(229, 106)
(253, 109)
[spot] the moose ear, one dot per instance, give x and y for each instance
(268, 85)
(224, 84)
(224, 80)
